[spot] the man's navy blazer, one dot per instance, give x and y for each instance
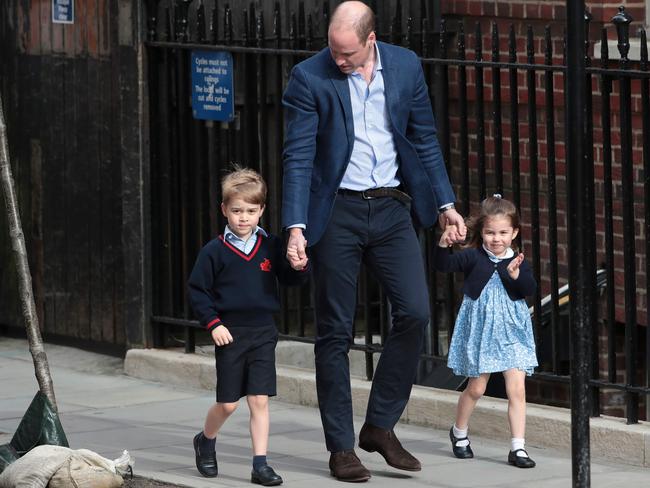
(320, 135)
(478, 268)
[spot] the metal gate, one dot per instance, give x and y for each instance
(502, 125)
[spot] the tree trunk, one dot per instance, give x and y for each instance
(41, 366)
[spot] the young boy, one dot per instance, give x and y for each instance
(233, 292)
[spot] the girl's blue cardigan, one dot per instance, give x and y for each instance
(478, 268)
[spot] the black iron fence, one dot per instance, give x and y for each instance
(501, 122)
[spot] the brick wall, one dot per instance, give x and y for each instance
(552, 11)
(522, 15)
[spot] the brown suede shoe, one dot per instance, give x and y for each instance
(346, 466)
(385, 442)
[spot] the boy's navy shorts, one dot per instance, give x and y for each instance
(246, 366)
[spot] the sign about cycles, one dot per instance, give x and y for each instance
(212, 90)
(63, 11)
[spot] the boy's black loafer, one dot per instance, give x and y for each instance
(461, 452)
(265, 476)
(520, 461)
(206, 462)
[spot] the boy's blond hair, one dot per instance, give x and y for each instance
(243, 183)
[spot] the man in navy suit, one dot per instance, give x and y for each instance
(360, 156)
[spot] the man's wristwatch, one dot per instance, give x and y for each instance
(446, 207)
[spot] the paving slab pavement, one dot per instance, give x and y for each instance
(103, 410)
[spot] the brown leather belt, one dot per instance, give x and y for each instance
(373, 193)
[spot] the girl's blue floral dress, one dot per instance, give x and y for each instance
(492, 333)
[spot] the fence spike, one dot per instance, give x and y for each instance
(259, 29)
(409, 33)
(246, 31)
(548, 45)
(622, 22)
(214, 26)
(293, 31)
(168, 28)
(495, 42)
(277, 25)
(396, 24)
(588, 18)
(252, 19)
(227, 24)
(512, 44)
(182, 34)
(373, 6)
(301, 25)
(443, 37)
(152, 19)
(200, 22)
(425, 37)
(530, 45)
(172, 18)
(478, 42)
(326, 20)
(461, 41)
(309, 38)
(604, 48)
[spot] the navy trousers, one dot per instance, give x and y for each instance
(380, 233)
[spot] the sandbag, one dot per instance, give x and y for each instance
(35, 468)
(59, 467)
(81, 472)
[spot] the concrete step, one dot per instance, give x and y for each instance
(547, 427)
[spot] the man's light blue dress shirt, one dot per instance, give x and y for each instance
(373, 163)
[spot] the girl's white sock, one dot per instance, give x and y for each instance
(460, 434)
(518, 443)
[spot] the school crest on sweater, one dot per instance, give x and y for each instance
(265, 265)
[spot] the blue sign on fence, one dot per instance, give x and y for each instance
(63, 11)
(212, 93)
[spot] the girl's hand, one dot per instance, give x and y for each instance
(221, 335)
(513, 267)
(447, 238)
(452, 218)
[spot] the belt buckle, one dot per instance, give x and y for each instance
(365, 196)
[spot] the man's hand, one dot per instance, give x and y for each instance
(513, 267)
(452, 218)
(221, 335)
(296, 253)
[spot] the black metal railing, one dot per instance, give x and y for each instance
(502, 126)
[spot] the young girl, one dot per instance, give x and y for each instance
(493, 330)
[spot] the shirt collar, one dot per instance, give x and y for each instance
(377, 59)
(509, 253)
(229, 234)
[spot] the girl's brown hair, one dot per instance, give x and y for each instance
(490, 207)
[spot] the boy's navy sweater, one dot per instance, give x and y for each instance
(478, 268)
(235, 289)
